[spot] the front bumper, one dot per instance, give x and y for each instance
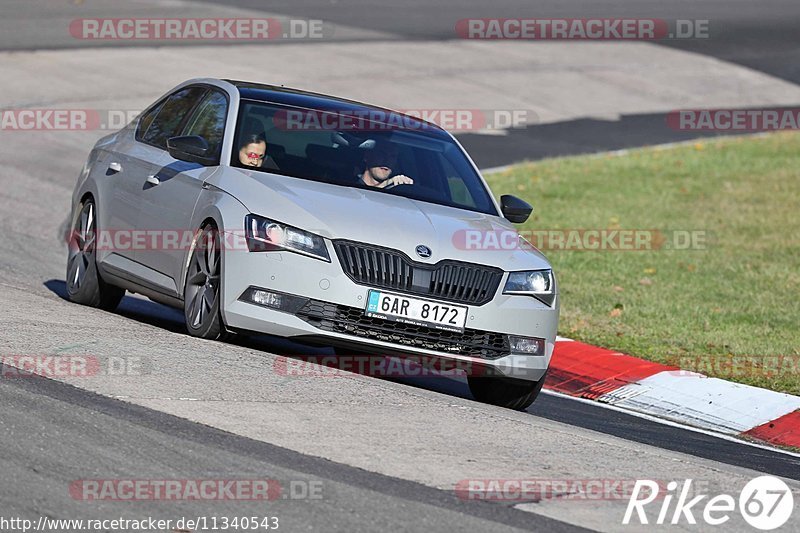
(330, 308)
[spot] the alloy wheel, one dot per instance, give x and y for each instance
(202, 283)
(82, 247)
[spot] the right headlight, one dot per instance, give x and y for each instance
(537, 283)
(265, 235)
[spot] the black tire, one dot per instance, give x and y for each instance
(511, 393)
(201, 292)
(84, 284)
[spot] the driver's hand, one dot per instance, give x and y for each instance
(400, 179)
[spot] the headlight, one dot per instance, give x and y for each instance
(264, 235)
(537, 283)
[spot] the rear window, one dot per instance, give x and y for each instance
(332, 148)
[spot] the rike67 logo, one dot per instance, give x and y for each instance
(766, 503)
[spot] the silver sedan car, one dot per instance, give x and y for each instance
(265, 210)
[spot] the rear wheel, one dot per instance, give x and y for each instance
(84, 284)
(201, 295)
(510, 393)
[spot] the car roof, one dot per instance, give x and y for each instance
(322, 102)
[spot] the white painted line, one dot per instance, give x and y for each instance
(698, 400)
(671, 424)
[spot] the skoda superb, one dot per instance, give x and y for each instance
(260, 209)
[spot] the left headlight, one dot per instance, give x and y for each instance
(537, 283)
(265, 235)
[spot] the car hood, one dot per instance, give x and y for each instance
(382, 219)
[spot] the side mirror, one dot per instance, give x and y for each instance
(191, 148)
(514, 209)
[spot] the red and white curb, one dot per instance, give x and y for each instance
(667, 392)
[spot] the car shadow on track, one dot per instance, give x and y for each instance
(148, 312)
(558, 409)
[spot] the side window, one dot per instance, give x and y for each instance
(171, 116)
(208, 121)
(147, 119)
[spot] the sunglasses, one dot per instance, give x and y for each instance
(381, 160)
(253, 155)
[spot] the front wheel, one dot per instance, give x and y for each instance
(84, 284)
(201, 294)
(510, 393)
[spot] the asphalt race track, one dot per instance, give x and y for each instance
(754, 36)
(384, 454)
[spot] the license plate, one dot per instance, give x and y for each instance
(410, 310)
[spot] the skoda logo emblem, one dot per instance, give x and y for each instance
(423, 251)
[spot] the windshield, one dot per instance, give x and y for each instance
(391, 155)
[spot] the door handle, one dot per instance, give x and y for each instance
(153, 180)
(114, 167)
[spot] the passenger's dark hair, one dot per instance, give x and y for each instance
(251, 138)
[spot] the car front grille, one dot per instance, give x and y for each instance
(391, 269)
(352, 321)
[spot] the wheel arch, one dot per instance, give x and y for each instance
(225, 213)
(88, 195)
